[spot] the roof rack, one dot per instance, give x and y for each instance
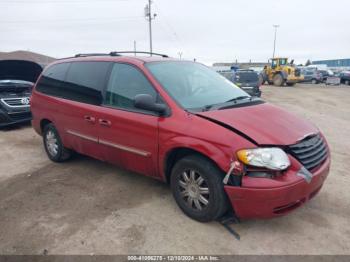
(91, 54)
(117, 53)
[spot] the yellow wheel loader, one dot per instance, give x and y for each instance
(280, 72)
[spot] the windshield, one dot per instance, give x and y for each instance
(193, 85)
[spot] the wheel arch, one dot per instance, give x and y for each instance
(44, 122)
(282, 73)
(177, 153)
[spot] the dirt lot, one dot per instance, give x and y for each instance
(89, 207)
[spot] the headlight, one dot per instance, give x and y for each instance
(272, 158)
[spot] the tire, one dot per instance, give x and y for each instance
(314, 81)
(278, 80)
(53, 145)
(347, 82)
(186, 187)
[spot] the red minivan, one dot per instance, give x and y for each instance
(220, 149)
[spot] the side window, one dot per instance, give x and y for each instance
(124, 84)
(52, 79)
(85, 81)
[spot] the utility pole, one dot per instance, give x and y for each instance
(274, 42)
(150, 17)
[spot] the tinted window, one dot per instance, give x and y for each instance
(52, 79)
(124, 84)
(77, 81)
(247, 77)
(85, 81)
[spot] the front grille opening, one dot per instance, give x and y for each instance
(20, 116)
(16, 102)
(289, 207)
(310, 152)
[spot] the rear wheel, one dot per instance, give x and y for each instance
(198, 189)
(53, 144)
(278, 80)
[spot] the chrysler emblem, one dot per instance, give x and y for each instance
(25, 101)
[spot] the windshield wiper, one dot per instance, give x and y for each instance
(238, 98)
(226, 103)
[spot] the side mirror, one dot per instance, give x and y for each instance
(147, 102)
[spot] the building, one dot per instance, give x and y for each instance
(241, 65)
(334, 63)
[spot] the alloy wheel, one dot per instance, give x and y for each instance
(51, 143)
(194, 190)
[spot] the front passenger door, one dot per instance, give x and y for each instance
(128, 136)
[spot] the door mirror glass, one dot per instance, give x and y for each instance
(148, 103)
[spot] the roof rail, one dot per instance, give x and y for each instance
(91, 54)
(117, 53)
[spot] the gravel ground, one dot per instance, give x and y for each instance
(88, 207)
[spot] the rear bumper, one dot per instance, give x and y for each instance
(15, 117)
(249, 202)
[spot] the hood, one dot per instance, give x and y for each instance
(264, 123)
(19, 70)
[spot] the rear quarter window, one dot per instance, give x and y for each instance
(52, 79)
(77, 81)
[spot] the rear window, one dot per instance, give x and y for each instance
(247, 77)
(76, 81)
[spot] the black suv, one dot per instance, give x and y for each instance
(17, 78)
(248, 80)
(345, 77)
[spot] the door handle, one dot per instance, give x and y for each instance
(90, 119)
(104, 122)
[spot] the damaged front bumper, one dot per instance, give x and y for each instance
(267, 198)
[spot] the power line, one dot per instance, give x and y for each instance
(70, 20)
(59, 2)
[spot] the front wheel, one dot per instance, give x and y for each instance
(278, 80)
(198, 189)
(53, 144)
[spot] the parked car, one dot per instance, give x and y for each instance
(248, 80)
(325, 74)
(345, 77)
(17, 79)
(312, 76)
(182, 123)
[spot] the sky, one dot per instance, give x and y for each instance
(208, 30)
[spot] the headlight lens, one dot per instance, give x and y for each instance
(272, 158)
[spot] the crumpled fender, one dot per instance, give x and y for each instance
(221, 155)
